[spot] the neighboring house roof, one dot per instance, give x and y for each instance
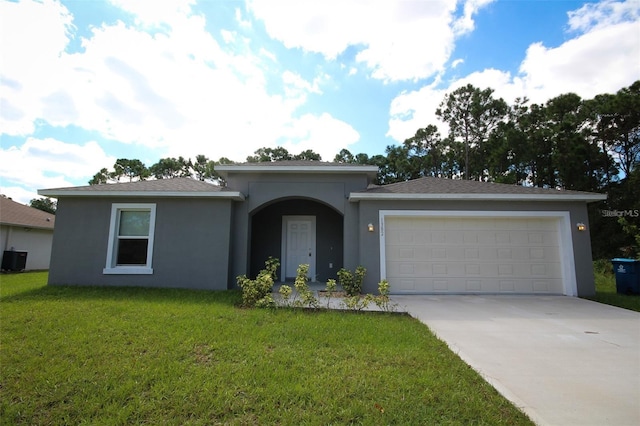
(296, 166)
(432, 188)
(176, 187)
(16, 214)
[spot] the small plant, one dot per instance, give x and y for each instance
(258, 292)
(357, 303)
(329, 290)
(351, 284)
(382, 300)
(271, 265)
(306, 295)
(360, 272)
(285, 294)
(266, 302)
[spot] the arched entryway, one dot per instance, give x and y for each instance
(311, 228)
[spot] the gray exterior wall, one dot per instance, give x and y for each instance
(206, 243)
(262, 189)
(191, 245)
(369, 242)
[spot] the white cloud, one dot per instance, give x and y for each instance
(19, 194)
(176, 91)
(602, 60)
(457, 62)
(397, 40)
(153, 13)
(50, 163)
(323, 134)
(29, 59)
(465, 23)
(603, 14)
(413, 110)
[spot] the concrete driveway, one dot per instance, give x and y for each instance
(562, 360)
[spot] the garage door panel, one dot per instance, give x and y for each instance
(473, 255)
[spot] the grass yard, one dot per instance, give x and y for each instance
(91, 355)
(606, 288)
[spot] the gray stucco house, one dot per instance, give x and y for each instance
(429, 235)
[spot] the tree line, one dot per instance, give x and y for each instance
(566, 143)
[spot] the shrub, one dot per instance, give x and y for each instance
(382, 300)
(285, 293)
(345, 278)
(351, 284)
(357, 303)
(258, 292)
(361, 271)
(271, 265)
(330, 289)
(306, 295)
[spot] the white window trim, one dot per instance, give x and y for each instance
(563, 218)
(111, 267)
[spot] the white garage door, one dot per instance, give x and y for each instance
(427, 254)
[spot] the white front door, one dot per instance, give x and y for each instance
(298, 245)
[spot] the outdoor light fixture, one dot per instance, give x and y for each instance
(370, 227)
(581, 226)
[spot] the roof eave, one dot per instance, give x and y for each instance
(24, 225)
(224, 170)
(233, 195)
(355, 197)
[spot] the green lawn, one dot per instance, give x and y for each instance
(606, 288)
(131, 356)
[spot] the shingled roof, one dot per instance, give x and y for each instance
(177, 187)
(433, 188)
(16, 214)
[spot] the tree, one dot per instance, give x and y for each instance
(168, 168)
(344, 156)
(264, 155)
(472, 114)
(124, 167)
(396, 167)
(516, 145)
(45, 204)
(308, 155)
(579, 162)
(203, 168)
(425, 153)
(103, 176)
(616, 124)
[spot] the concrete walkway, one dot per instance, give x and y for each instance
(562, 360)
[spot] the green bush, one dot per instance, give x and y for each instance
(351, 284)
(382, 299)
(258, 292)
(306, 295)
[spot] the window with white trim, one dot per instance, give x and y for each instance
(130, 249)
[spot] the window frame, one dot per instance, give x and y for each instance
(111, 266)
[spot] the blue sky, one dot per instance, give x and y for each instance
(83, 83)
